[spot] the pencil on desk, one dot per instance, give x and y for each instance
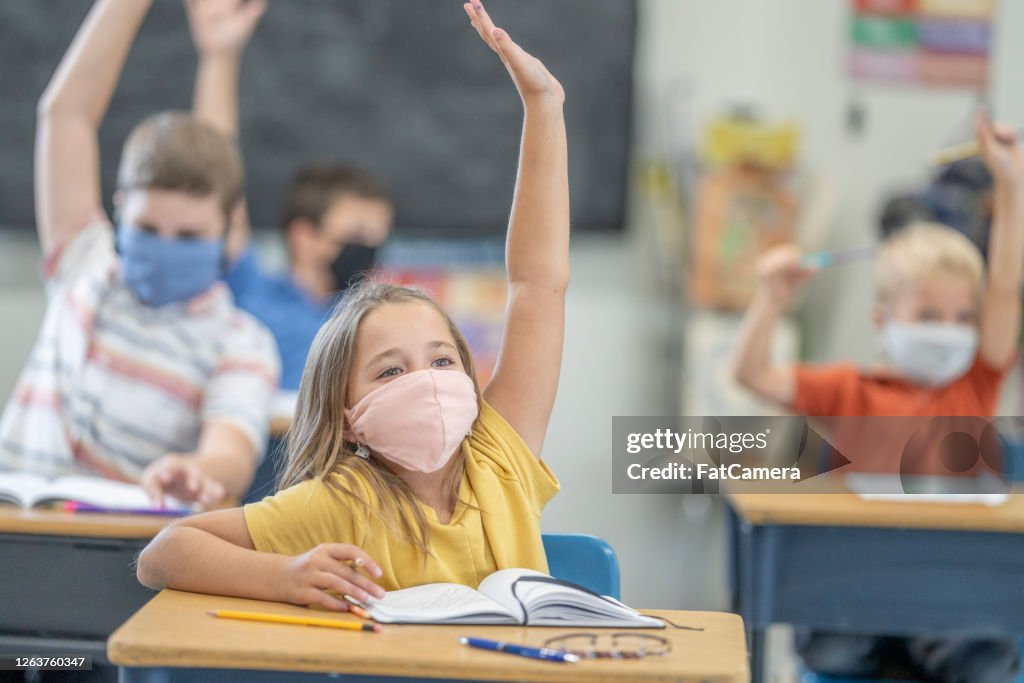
(357, 608)
(360, 612)
(298, 621)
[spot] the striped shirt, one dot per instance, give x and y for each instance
(113, 385)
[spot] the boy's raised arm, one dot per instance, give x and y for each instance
(537, 251)
(1001, 314)
(782, 275)
(67, 172)
(220, 31)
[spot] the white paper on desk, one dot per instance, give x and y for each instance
(985, 489)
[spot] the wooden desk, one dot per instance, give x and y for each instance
(43, 522)
(174, 630)
(68, 580)
(847, 509)
(837, 562)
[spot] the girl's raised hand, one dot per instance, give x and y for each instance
(222, 27)
(330, 567)
(534, 81)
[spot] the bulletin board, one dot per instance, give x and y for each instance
(931, 43)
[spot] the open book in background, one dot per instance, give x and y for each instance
(35, 491)
(984, 489)
(509, 596)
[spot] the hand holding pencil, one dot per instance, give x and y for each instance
(336, 567)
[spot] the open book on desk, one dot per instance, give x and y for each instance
(35, 491)
(509, 596)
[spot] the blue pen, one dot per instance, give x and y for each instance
(543, 653)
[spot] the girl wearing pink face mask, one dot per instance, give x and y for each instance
(400, 470)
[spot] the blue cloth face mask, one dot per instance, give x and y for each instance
(162, 271)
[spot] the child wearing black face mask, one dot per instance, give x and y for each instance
(335, 216)
(352, 264)
(334, 222)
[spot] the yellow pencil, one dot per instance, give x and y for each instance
(956, 153)
(299, 621)
(966, 150)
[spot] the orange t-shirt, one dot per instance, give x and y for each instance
(899, 445)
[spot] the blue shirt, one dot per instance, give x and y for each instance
(292, 315)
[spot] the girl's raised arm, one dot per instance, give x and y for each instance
(525, 379)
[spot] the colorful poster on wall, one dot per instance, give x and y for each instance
(941, 43)
(744, 205)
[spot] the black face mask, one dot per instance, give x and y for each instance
(352, 264)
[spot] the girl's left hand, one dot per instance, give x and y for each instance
(534, 81)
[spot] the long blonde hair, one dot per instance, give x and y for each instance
(317, 445)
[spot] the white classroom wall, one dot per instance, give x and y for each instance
(788, 57)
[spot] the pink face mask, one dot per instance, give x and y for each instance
(417, 421)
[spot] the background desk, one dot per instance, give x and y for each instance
(67, 581)
(836, 562)
(175, 630)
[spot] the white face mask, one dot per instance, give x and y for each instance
(930, 353)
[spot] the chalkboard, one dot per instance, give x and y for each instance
(404, 88)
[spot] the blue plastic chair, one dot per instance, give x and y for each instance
(583, 559)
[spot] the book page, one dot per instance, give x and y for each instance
(95, 491)
(498, 587)
(19, 488)
(985, 489)
(564, 605)
(559, 603)
(438, 603)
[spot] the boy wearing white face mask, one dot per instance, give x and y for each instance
(949, 328)
(401, 470)
(949, 332)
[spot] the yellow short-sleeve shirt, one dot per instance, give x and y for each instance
(506, 486)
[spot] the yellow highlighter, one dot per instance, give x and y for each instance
(298, 621)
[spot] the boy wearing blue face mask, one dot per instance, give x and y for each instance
(949, 331)
(335, 216)
(144, 371)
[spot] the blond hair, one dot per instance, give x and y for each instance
(317, 444)
(922, 250)
(175, 151)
